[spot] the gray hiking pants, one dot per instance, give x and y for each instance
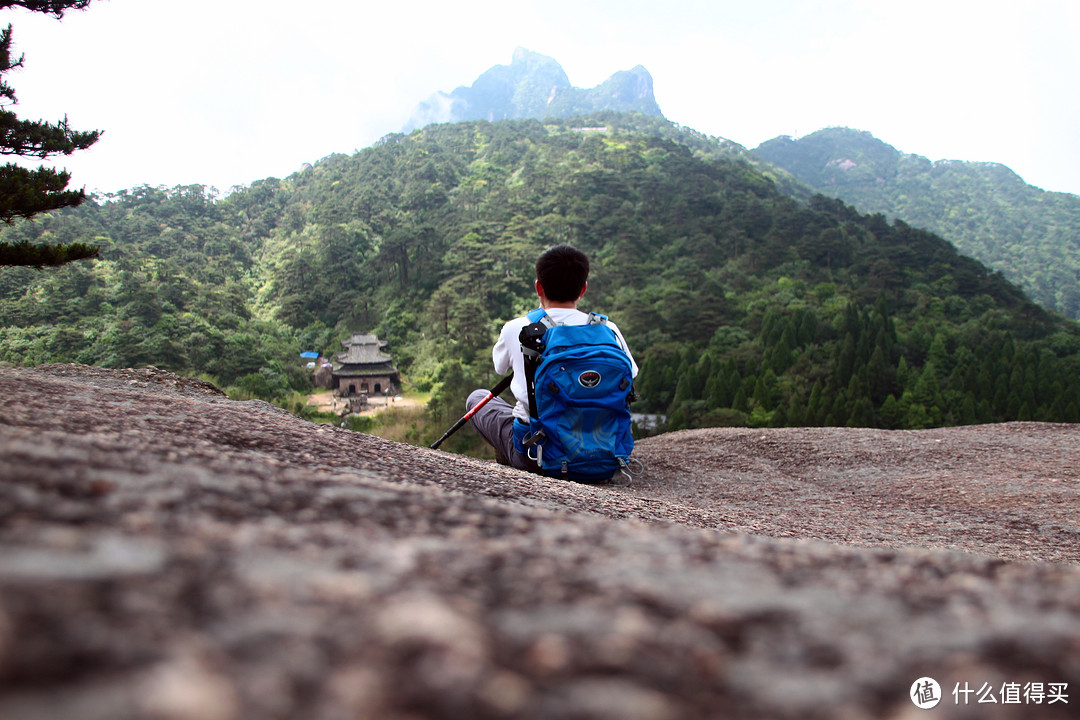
(495, 423)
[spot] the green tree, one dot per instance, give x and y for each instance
(25, 192)
(892, 415)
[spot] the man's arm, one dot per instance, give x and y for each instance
(625, 347)
(500, 354)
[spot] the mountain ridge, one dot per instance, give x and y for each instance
(984, 208)
(1029, 245)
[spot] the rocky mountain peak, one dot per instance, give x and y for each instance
(535, 86)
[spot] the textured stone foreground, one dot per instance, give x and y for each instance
(168, 553)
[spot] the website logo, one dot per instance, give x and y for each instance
(925, 693)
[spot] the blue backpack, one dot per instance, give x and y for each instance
(580, 385)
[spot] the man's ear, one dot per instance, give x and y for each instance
(583, 289)
(539, 290)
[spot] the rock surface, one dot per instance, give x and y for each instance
(168, 553)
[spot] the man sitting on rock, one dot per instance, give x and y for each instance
(561, 280)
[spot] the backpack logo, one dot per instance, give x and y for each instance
(589, 379)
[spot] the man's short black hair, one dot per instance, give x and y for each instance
(562, 271)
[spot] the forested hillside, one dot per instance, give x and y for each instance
(985, 209)
(742, 305)
(173, 289)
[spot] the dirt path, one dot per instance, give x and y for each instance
(326, 402)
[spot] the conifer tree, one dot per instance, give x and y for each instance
(25, 192)
(892, 415)
(968, 414)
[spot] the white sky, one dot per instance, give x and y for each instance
(226, 92)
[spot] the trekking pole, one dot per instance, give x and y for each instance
(495, 391)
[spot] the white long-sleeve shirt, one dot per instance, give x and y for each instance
(507, 353)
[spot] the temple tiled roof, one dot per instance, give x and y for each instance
(363, 350)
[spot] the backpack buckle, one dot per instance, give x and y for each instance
(533, 438)
(535, 441)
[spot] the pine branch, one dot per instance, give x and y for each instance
(7, 63)
(34, 138)
(56, 8)
(25, 192)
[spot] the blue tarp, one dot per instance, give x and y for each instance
(309, 354)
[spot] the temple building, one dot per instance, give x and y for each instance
(362, 368)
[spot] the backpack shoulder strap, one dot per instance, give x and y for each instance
(531, 338)
(537, 315)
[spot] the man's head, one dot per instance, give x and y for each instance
(562, 272)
